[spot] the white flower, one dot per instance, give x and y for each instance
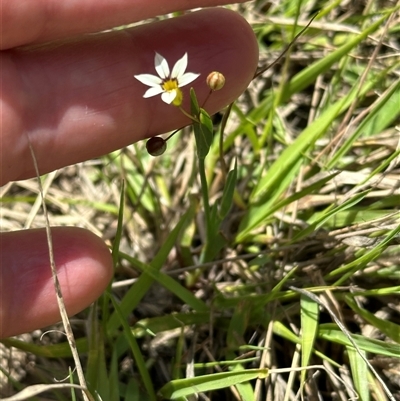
(167, 84)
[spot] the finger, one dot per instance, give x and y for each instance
(46, 20)
(27, 295)
(79, 100)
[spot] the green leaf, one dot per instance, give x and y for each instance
(359, 263)
(309, 325)
(172, 285)
(329, 213)
(203, 133)
(227, 196)
(359, 372)
(194, 104)
(136, 351)
(386, 109)
(214, 240)
(169, 322)
(203, 127)
(378, 347)
(186, 387)
(391, 329)
(120, 226)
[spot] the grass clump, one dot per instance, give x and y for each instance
(228, 271)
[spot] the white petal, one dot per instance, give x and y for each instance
(168, 97)
(161, 66)
(153, 91)
(180, 67)
(149, 80)
(187, 78)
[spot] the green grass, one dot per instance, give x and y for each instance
(311, 202)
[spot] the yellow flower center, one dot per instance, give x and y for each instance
(170, 85)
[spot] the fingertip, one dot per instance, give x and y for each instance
(27, 295)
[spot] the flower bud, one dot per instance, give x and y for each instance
(215, 80)
(156, 146)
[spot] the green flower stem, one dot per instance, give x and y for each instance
(193, 118)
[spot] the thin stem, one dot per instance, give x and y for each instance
(193, 118)
(206, 99)
(60, 300)
(169, 137)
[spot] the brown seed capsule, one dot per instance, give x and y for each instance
(156, 146)
(215, 80)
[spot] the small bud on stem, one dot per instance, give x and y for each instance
(215, 80)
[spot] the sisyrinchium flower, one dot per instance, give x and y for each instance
(167, 83)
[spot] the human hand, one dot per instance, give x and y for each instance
(77, 99)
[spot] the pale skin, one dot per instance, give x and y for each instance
(75, 98)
